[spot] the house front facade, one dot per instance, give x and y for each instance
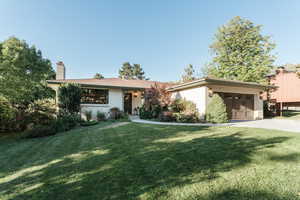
(103, 94)
(243, 100)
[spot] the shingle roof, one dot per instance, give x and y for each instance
(109, 82)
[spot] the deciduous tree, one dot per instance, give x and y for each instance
(241, 52)
(23, 72)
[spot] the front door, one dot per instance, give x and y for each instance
(128, 103)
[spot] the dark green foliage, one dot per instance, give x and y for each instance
(89, 123)
(216, 110)
(184, 111)
(98, 76)
(241, 52)
(40, 131)
(7, 115)
(23, 72)
(128, 72)
(101, 116)
(189, 74)
(61, 124)
(186, 118)
(166, 116)
(41, 112)
(115, 113)
(88, 115)
(69, 98)
(144, 113)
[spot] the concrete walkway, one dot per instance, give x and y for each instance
(275, 124)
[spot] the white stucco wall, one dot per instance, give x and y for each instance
(197, 95)
(115, 99)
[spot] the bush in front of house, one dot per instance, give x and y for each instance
(101, 116)
(7, 115)
(61, 124)
(41, 112)
(144, 113)
(89, 123)
(88, 115)
(216, 110)
(166, 116)
(69, 96)
(184, 111)
(115, 113)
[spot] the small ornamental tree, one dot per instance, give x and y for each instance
(216, 110)
(69, 98)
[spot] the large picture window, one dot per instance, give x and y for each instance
(94, 96)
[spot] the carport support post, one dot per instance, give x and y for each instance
(281, 107)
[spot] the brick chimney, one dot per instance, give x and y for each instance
(60, 71)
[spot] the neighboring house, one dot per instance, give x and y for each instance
(243, 100)
(287, 95)
(104, 94)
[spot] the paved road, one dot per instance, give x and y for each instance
(278, 124)
(275, 124)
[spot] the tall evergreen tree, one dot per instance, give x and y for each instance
(241, 52)
(138, 72)
(189, 74)
(98, 76)
(126, 71)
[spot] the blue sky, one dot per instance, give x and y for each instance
(162, 35)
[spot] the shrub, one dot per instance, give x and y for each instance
(166, 116)
(89, 123)
(88, 115)
(70, 120)
(115, 113)
(41, 112)
(101, 116)
(145, 114)
(69, 98)
(216, 110)
(39, 131)
(186, 118)
(7, 115)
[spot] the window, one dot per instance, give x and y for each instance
(94, 96)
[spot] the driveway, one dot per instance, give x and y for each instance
(275, 124)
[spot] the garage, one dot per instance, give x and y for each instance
(239, 106)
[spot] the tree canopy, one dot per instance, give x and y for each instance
(189, 74)
(98, 76)
(241, 52)
(23, 72)
(134, 71)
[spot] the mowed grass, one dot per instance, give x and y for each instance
(138, 161)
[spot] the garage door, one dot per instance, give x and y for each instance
(239, 106)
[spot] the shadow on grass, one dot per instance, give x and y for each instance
(234, 194)
(129, 161)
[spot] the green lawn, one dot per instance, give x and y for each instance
(139, 161)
